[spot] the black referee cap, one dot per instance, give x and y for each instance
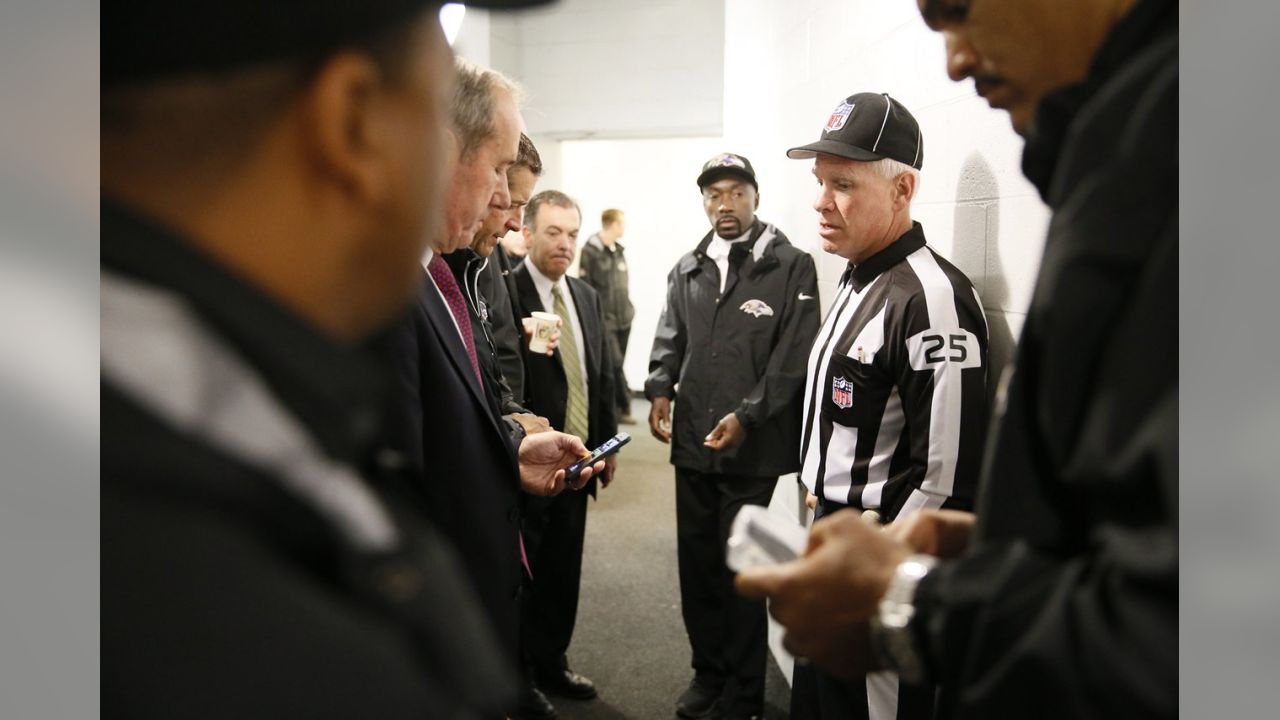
(868, 127)
(151, 39)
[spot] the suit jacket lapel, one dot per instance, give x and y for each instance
(529, 297)
(440, 318)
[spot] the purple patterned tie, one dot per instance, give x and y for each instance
(457, 305)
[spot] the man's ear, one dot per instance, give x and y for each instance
(757, 206)
(346, 125)
(904, 187)
(528, 235)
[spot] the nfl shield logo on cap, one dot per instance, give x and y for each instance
(839, 116)
(842, 393)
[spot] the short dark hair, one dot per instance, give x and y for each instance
(218, 118)
(528, 156)
(610, 216)
(548, 197)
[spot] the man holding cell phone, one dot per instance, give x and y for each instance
(574, 389)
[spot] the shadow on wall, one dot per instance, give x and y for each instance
(977, 252)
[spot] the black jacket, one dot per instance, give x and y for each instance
(1066, 605)
(490, 319)
(606, 271)
(225, 593)
(497, 288)
(545, 381)
(744, 353)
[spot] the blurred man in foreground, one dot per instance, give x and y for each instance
(266, 195)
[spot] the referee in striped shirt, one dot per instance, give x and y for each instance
(895, 401)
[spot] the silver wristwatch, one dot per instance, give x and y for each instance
(891, 638)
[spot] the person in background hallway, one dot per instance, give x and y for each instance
(741, 313)
(256, 559)
(895, 406)
(604, 266)
(463, 463)
(573, 389)
(1060, 599)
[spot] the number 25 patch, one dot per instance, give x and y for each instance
(932, 348)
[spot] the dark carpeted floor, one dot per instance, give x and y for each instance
(630, 637)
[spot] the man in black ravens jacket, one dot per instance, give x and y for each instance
(1062, 600)
(731, 348)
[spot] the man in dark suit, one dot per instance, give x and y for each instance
(467, 468)
(573, 389)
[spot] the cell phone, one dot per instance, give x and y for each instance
(610, 446)
(759, 537)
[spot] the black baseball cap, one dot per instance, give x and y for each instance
(727, 164)
(145, 40)
(868, 127)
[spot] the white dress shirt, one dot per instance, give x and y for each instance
(718, 250)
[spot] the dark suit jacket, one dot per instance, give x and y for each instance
(497, 288)
(457, 446)
(546, 392)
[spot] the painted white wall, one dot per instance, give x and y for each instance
(614, 68)
(473, 41)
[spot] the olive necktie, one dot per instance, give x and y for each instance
(575, 411)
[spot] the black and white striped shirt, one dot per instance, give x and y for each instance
(895, 401)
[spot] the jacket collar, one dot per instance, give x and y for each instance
(1145, 23)
(461, 260)
(595, 242)
(862, 274)
(763, 239)
(337, 391)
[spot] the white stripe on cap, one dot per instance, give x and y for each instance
(916, 159)
(887, 104)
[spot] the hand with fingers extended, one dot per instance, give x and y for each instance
(543, 459)
(826, 598)
(660, 419)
